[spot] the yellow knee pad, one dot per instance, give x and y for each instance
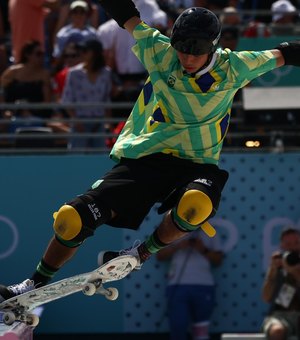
(67, 223)
(193, 208)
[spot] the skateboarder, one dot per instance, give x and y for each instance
(170, 146)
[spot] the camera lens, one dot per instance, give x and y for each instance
(292, 258)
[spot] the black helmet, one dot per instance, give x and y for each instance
(196, 31)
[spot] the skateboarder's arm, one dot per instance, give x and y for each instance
(123, 12)
(279, 58)
(131, 24)
(270, 281)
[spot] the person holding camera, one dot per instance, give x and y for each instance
(191, 285)
(281, 288)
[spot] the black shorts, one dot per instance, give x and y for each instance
(133, 186)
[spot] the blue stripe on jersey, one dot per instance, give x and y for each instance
(147, 90)
(205, 82)
(157, 116)
(224, 124)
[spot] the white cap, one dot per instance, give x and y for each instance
(79, 3)
(280, 8)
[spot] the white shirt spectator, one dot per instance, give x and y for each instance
(78, 30)
(151, 13)
(119, 42)
(282, 8)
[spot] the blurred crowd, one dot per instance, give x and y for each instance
(62, 51)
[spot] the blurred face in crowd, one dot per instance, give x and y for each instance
(36, 57)
(78, 16)
(72, 56)
(231, 19)
(291, 242)
(88, 55)
(192, 63)
(228, 41)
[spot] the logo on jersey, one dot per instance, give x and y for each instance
(171, 80)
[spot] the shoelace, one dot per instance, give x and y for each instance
(22, 287)
(136, 244)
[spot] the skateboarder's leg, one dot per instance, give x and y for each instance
(73, 223)
(55, 256)
(165, 234)
(167, 231)
(193, 206)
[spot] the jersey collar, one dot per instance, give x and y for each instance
(208, 67)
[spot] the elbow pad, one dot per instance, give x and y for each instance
(120, 10)
(291, 52)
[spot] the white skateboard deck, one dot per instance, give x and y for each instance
(18, 307)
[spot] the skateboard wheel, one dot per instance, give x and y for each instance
(89, 289)
(9, 318)
(112, 293)
(32, 320)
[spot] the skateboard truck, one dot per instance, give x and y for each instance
(96, 287)
(19, 314)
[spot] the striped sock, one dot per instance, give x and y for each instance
(151, 246)
(43, 274)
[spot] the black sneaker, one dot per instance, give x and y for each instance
(7, 292)
(107, 255)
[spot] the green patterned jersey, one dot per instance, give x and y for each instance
(185, 115)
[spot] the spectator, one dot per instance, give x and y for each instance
(27, 22)
(78, 30)
(28, 80)
(117, 42)
(284, 15)
(281, 288)
(230, 17)
(191, 286)
(63, 15)
(255, 25)
(72, 55)
(88, 82)
(256, 29)
(230, 36)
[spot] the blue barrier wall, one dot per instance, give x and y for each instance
(262, 196)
